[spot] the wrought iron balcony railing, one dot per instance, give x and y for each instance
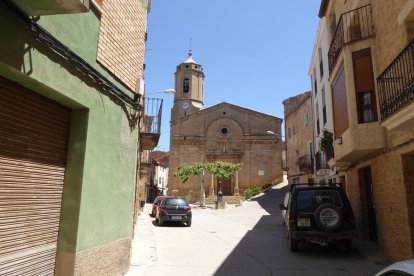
(306, 164)
(151, 122)
(320, 161)
(152, 115)
(352, 26)
(396, 83)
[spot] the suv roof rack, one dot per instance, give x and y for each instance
(316, 185)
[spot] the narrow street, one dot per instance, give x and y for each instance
(245, 240)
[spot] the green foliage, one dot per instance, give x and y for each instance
(222, 170)
(252, 191)
(326, 141)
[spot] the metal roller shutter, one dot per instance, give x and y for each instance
(33, 144)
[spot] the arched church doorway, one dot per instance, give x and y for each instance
(226, 187)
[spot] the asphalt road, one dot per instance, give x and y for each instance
(244, 240)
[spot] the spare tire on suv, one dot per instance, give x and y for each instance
(328, 217)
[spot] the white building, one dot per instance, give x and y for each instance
(322, 103)
(161, 174)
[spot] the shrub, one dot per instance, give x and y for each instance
(252, 191)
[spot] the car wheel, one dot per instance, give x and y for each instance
(328, 217)
(188, 223)
(293, 244)
(346, 246)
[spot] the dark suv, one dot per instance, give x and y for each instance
(174, 208)
(319, 214)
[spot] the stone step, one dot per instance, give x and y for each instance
(228, 199)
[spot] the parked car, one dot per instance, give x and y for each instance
(155, 205)
(319, 214)
(284, 213)
(174, 208)
(403, 268)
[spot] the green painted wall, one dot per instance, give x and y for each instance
(99, 183)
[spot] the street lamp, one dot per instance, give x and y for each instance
(166, 91)
(272, 133)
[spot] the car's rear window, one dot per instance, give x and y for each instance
(175, 201)
(309, 200)
(158, 199)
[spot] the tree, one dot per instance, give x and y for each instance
(325, 143)
(222, 170)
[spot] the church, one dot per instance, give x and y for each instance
(222, 132)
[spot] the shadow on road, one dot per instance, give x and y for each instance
(264, 250)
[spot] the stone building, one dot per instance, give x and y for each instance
(299, 141)
(223, 132)
(371, 73)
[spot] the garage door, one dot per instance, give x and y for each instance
(33, 145)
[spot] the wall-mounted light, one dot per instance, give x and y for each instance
(269, 132)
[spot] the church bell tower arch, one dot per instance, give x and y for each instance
(189, 87)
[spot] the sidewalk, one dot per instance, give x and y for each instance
(143, 252)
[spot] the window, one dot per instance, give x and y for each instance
(364, 86)
(320, 63)
(314, 81)
(306, 119)
(297, 158)
(318, 129)
(186, 85)
(289, 134)
(324, 106)
(308, 201)
(367, 108)
(333, 25)
(339, 103)
(294, 130)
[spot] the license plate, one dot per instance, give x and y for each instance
(175, 217)
(303, 222)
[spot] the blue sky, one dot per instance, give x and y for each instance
(254, 54)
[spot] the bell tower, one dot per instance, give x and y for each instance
(189, 87)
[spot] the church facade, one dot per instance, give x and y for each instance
(223, 132)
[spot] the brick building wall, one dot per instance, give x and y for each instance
(121, 46)
(390, 166)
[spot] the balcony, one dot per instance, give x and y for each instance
(396, 90)
(49, 7)
(321, 166)
(357, 143)
(352, 26)
(151, 123)
(305, 164)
